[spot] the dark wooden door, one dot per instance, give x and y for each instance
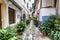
(0, 18)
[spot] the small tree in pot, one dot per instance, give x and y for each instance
(21, 27)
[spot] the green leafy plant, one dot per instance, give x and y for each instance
(8, 33)
(35, 21)
(43, 27)
(11, 30)
(21, 26)
(16, 38)
(27, 21)
(52, 27)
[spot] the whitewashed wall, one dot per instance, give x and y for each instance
(18, 16)
(47, 12)
(23, 5)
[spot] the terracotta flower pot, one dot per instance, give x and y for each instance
(44, 33)
(20, 33)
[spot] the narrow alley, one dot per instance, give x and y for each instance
(33, 33)
(29, 19)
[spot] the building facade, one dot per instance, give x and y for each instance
(12, 11)
(46, 8)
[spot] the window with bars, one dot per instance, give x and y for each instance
(11, 15)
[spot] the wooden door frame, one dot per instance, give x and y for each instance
(0, 16)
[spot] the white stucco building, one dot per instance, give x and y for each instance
(45, 8)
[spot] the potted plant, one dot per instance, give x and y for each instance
(51, 27)
(21, 27)
(9, 34)
(35, 21)
(27, 21)
(43, 29)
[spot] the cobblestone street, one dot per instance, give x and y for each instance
(33, 33)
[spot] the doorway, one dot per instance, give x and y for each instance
(24, 17)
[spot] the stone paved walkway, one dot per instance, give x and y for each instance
(32, 33)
